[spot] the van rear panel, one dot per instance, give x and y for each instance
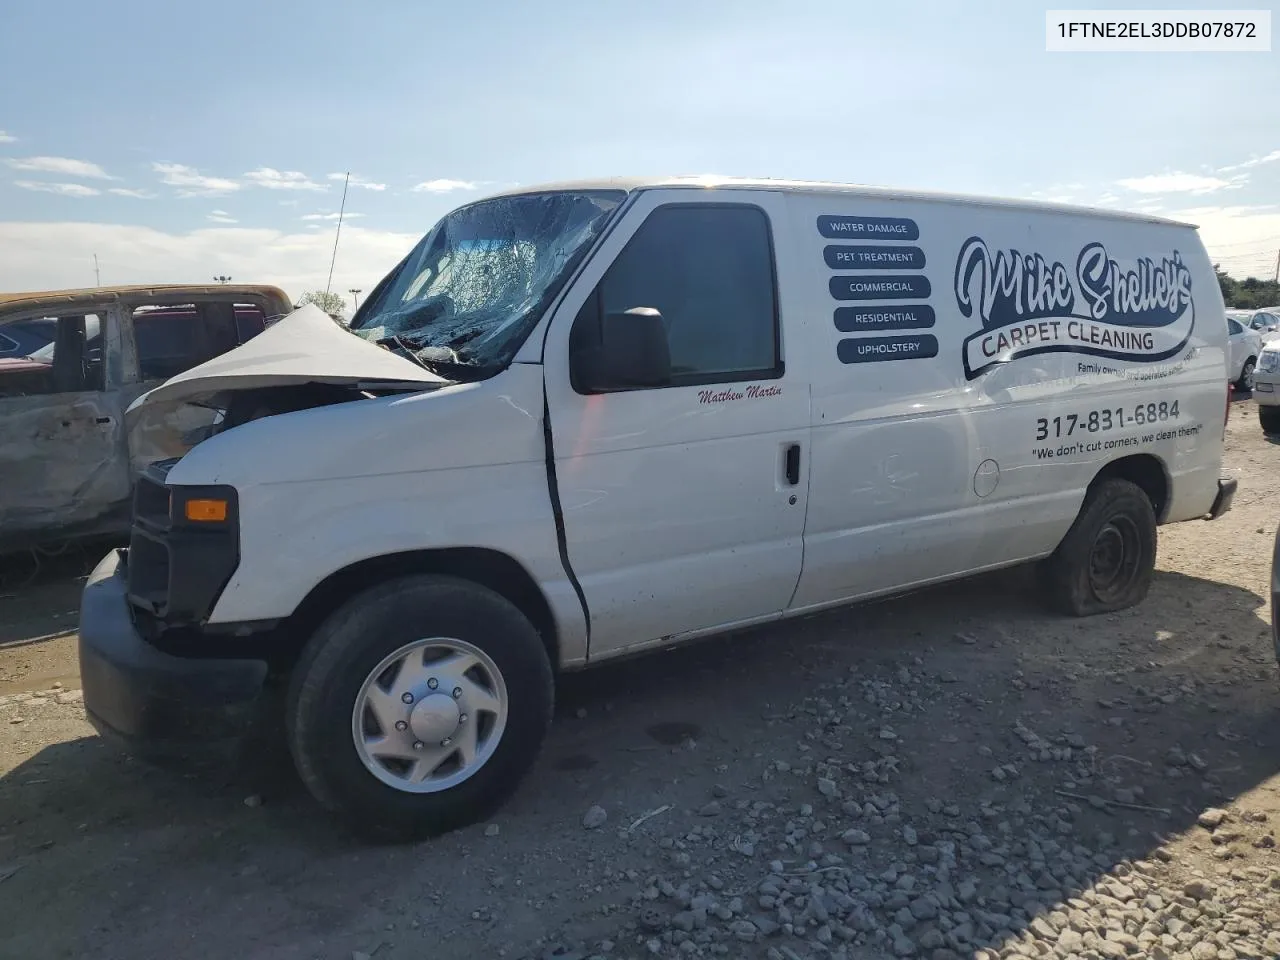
(975, 366)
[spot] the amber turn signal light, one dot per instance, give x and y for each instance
(206, 511)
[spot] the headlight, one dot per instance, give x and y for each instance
(1269, 362)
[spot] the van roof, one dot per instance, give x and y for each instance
(630, 184)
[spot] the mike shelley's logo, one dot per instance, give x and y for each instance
(1140, 311)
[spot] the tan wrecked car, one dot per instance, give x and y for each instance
(67, 456)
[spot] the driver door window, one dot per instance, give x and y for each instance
(709, 271)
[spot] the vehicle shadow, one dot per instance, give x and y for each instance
(1188, 673)
(52, 564)
(40, 592)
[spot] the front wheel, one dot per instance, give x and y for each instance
(1269, 418)
(1245, 383)
(1107, 559)
(419, 706)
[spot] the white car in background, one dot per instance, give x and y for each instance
(1266, 323)
(1266, 388)
(1246, 344)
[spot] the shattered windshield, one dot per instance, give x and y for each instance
(471, 290)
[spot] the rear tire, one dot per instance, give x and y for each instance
(328, 736)
(1107, 559)
(1269, 418)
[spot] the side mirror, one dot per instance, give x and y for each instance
(633, 352)
(635, 348)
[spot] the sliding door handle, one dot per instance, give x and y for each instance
(792, 465)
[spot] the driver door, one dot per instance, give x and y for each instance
(684, 504)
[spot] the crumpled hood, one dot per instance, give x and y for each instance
(307, 346)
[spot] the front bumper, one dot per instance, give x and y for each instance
(156, 703)
(1266, 389)
(1222, 502)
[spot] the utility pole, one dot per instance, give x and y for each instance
(1276, 278)
(355, 295)
(341, 210)
(97, 274)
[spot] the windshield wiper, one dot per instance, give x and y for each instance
(456, 369)
(450, 369)
(405, 349)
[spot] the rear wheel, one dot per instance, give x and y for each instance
(1269, 417)
(419, 706)
(1107, 559)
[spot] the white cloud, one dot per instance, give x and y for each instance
(191, 182)
(6, 137)
(360, 182)
(283, 180)
(221, 216)
(331, 216)
(444, 186)
(1179, 183)
(1059, 192)
(1240, 238)
(63, 189)
(43, 256)
(1271, 157)
(63, 166)
(136, 194)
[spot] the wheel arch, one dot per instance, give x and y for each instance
(1148, 472)
(486, 567)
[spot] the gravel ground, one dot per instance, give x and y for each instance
(955, 773)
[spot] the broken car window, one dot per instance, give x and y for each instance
(473, 287)
(21, 338)
(70, 362)
(174, 338)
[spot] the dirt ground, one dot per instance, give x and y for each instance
(951, 774)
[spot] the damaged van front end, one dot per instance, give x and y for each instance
(156, 671)
(409, 439)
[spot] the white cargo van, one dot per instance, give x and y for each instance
(582, 421)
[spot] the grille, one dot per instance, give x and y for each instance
(176, 569)
(148, 570)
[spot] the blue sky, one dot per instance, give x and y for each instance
(180, 140)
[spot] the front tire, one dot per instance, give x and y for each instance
(1107, 559)
(1269, 418)
(1245, 383)
(419, 706)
